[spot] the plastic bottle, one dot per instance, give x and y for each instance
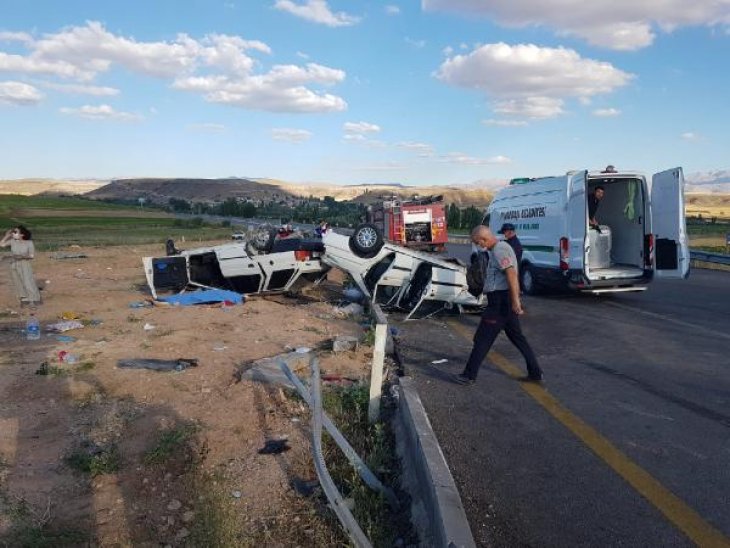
(32, 328)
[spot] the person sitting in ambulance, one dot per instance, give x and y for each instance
(593, 200)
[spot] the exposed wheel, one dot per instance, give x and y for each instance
(367, 240)
(528, 283)
(263, 239)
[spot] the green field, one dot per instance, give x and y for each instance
(60, 222)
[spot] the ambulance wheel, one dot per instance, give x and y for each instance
(366, 241)
(528, 283)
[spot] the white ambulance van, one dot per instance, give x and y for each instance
(642, 230)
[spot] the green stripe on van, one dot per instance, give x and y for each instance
(545, 248)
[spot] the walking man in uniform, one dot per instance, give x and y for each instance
(510, 236)
(503, 308)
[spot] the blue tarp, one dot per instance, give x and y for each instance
(204, 296)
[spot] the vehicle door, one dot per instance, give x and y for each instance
(577, 221)
(166, 273)
(240, 269)
(671, 245)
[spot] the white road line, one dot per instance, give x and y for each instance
(705, 330)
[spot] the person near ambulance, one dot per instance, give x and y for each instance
(510, 236)
(503, 309)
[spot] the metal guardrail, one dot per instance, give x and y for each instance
(706, 256)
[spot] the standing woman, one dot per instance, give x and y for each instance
(22, 252)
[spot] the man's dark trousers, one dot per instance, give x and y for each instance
(498, 316)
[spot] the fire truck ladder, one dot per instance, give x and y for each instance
(399, 227)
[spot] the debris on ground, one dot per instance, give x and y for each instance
(305, 488)
(347, 311)
(205, 296)
(268, 370)
(179, 364)
(353, 294)
(67, 325)
(344, 343)
(275, 447)
(61, 256)
(141, 304)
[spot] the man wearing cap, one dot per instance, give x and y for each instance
(510, 236)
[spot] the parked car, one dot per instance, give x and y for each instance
(398, 276)
(260, 265)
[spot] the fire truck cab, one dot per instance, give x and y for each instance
(419, 223)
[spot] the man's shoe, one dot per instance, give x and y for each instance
(463, 379)
(530, 378)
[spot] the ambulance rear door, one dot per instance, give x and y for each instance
(671, 246)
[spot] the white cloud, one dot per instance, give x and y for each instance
(465, 159)
(18, 93)
(15, 37)
(606, 112)
(359, 132)
(615, 24)
(690, 136)
(447, 51)
(207, 127)
(534, 108)
(82, 89)
(282, 89)
(415, 43)
(360, 128)
(528, 81)
(101, 112)
(424, 150)
(221, 68)
(302, 55)
(504, 122)
(392, 9)
(317, 11)
(34, 65)
(290, 135)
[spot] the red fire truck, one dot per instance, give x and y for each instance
(418, 223)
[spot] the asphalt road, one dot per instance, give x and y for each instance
(627, 443)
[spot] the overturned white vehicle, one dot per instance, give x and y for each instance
(398, 276)
(389, 274)
(260, 265)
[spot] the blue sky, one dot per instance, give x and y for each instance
(430, 92)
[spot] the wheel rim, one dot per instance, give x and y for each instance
(367, 237)
(527, 281)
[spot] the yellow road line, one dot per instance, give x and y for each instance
(676, 511)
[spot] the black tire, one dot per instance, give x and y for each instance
(263, 239)
(528, 282)
(367, 240)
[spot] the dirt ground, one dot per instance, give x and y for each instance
(98, 455)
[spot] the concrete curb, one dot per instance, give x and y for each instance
(436, 509)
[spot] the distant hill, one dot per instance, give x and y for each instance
(31, 187)
(193, 190)
(216, 190)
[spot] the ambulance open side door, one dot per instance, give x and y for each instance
(671, 246)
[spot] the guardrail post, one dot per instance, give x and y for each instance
(376, 372)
